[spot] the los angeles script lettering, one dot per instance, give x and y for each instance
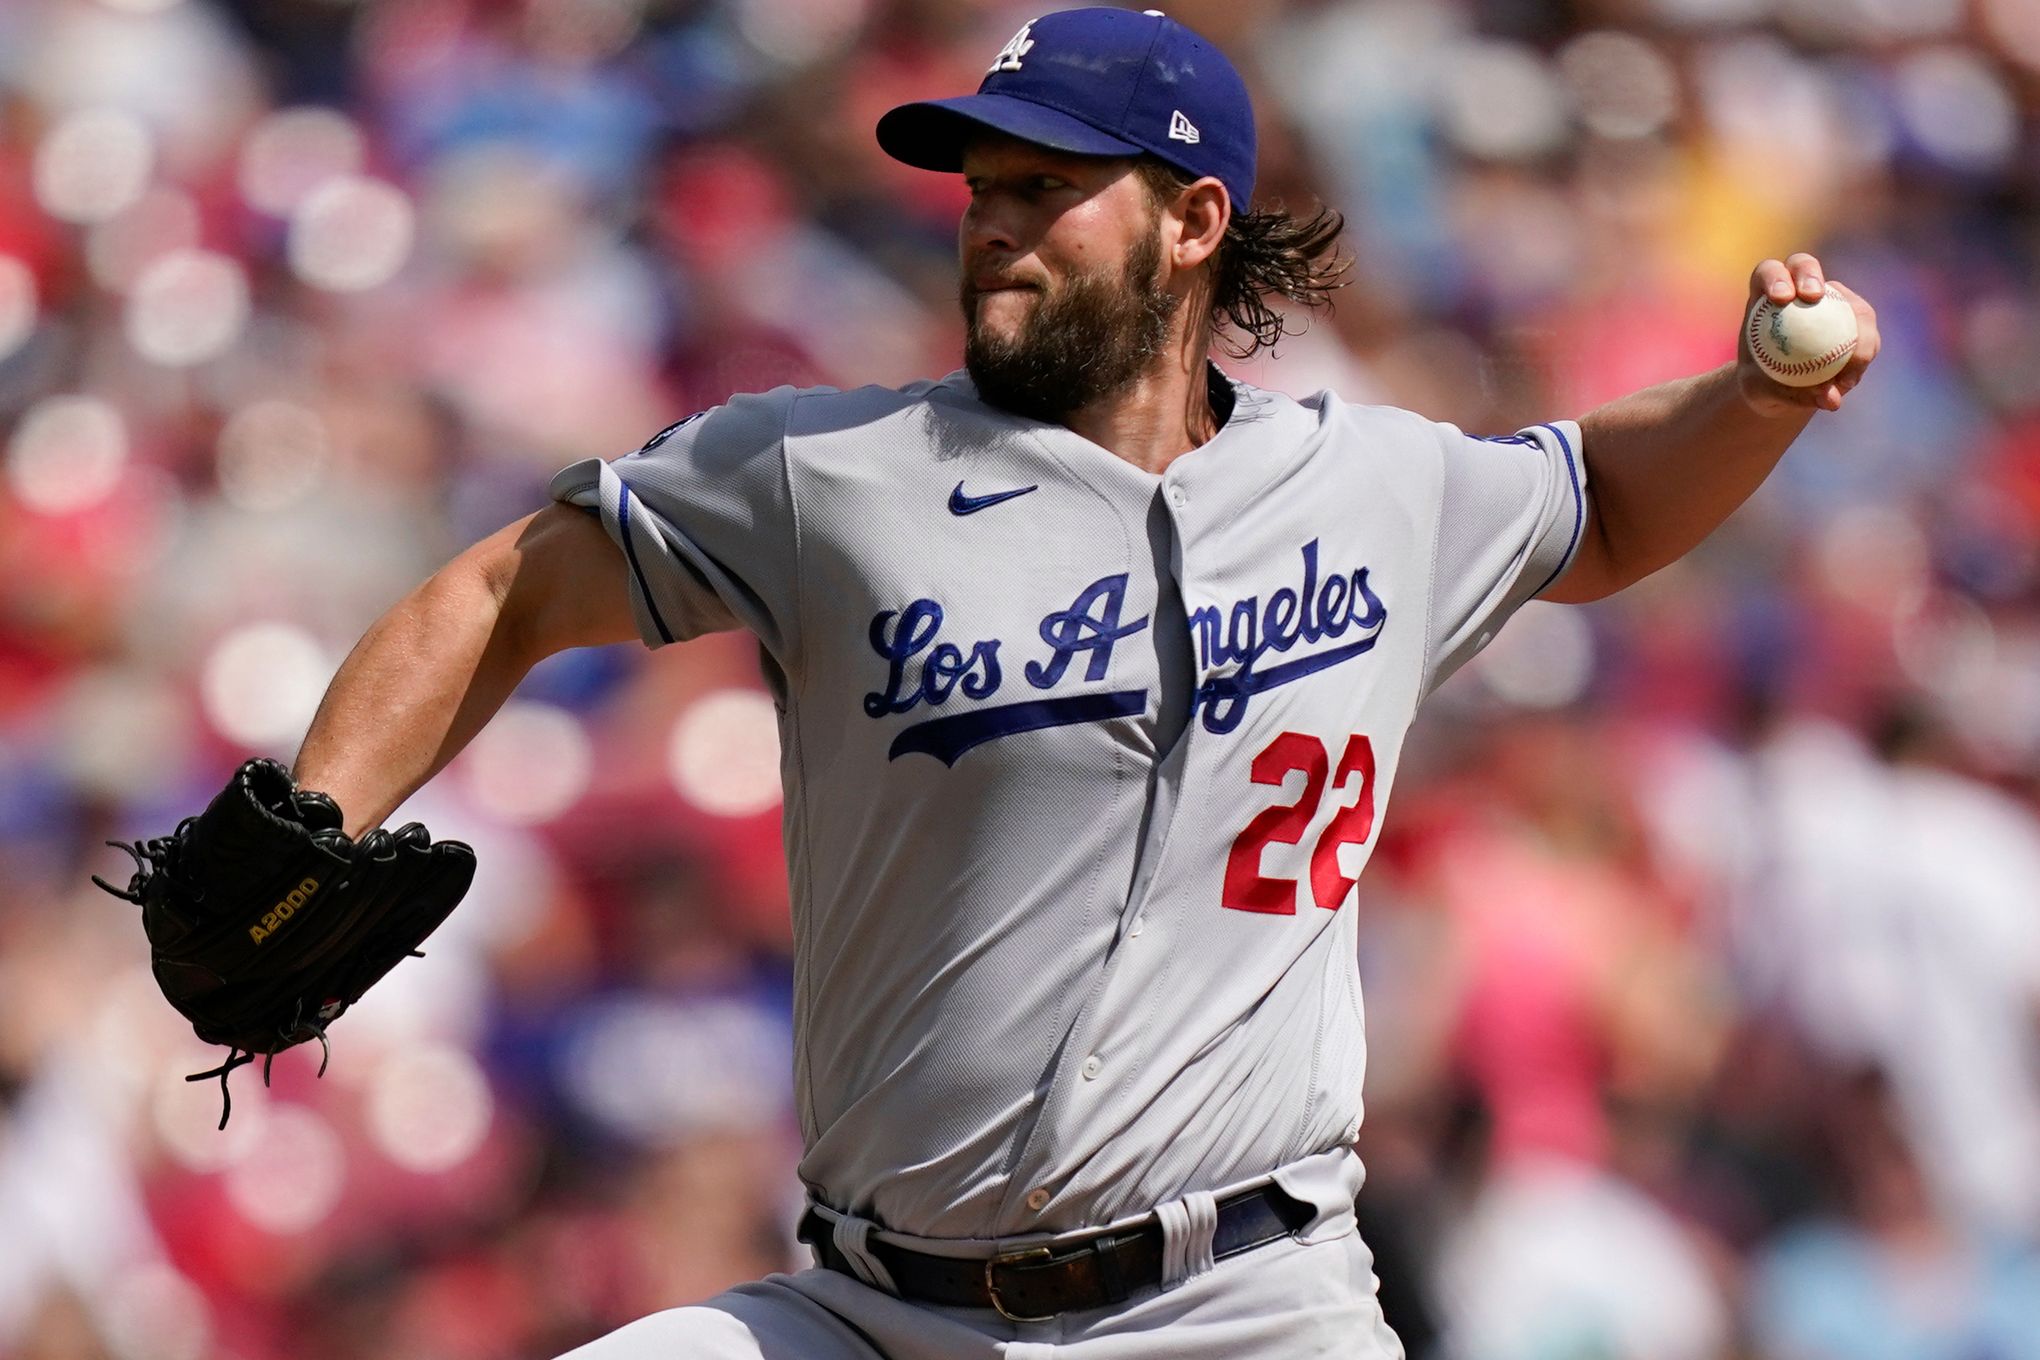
(1089, 628)
(1233, 645)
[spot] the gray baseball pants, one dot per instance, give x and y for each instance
(1283, 1301)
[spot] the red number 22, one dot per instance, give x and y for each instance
(1246, 887)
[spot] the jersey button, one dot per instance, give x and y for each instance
(1037, 1198)
(1178, 497)
(1093, 1065)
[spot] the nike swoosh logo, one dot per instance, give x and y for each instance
(960, 504)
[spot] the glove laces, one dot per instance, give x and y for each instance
(153, 858)
(286, 1036)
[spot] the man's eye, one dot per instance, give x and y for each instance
(1043, 184)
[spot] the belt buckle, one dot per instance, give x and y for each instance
(1009, 1258)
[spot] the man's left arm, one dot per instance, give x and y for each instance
(1668, 464)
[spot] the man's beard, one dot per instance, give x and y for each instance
(1090, 338)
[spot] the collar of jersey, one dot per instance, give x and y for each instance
(1226, 394)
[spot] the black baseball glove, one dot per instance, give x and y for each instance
(266, 922)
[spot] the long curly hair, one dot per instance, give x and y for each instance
(1267, 252)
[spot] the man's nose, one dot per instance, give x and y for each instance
(987, 228)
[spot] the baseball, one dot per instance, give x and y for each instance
(1803, 344)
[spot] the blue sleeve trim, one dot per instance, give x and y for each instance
(630, 551)
(1579, 507)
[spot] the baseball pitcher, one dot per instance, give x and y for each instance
(1093, 668)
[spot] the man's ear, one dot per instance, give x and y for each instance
(1204, 209)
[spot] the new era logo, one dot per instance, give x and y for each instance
(1181, 129)
(1009, 55)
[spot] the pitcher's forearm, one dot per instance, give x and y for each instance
(1677, 459)
(1667, 466)
(415, 690)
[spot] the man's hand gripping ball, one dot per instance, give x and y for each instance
(1793, 299)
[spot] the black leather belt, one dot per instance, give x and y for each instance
(1033, 1284)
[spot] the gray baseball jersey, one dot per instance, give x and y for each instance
(1081, 763)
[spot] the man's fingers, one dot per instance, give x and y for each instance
(1868, 340)
(1807, 276)
(1773, 280)
(1797, 276)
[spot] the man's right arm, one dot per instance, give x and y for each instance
(434, 669)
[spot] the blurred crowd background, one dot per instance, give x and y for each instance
(1702, 949)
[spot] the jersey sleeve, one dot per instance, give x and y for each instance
(1510, 517)
(704, 515)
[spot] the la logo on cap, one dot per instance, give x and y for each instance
(1009, 55)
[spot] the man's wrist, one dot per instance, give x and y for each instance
(1763, 397)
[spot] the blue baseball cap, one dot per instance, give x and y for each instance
(1097, 82)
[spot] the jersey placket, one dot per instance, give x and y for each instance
(1100, 1044)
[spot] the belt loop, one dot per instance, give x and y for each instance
(1187, 1227)
(851, 1236)
(1111, 1279)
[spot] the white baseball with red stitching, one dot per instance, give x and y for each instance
(1802, 344)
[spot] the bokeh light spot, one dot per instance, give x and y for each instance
(261, 683)
(187, 307)
(429, 1108)
(92, 164)
(66, 454)
(291, 1179)
(351, 234)
(724, 754)
(531, 763)
(293, 152)
(1502, 102)
(1621, 84)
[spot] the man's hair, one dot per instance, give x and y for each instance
(1265, 252)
